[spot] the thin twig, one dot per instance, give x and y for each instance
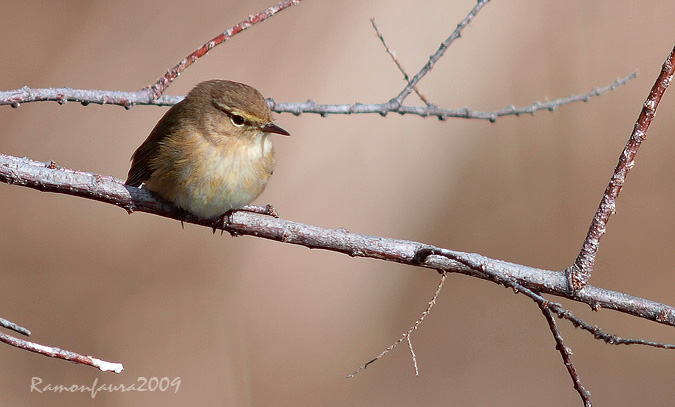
(130, 99)
(53, 352)
(14, 327)
(163, 82)
(433, 111)
(406, 335)
(412, 355)
(566, 354)
(580, 272)
(396, 61)
(486, 269)
(49, 177)
(151, 94)
(398, 100)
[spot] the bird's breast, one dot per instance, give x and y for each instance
(217, 177)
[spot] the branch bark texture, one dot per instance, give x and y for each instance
(580, 271)
(49, 177)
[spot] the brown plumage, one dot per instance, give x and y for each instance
(209, 153)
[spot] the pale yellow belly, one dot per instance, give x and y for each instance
(217, 180)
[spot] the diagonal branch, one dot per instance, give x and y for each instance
(150, 95)
(580, 271)
(49, 177)
(398, 100)
(14, 327)
(396, 61)
(566, 354)
(163, 82)
(58, 353)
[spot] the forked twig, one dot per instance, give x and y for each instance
(398, 100)
(396, 61)
(547, 308)
(406, 335)
(485, 267)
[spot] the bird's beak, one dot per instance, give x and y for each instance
(273, 128)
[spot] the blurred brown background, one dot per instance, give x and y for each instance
(244, 321)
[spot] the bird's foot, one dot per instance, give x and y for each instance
(219, 223)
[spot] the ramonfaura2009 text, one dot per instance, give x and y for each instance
(142, 384)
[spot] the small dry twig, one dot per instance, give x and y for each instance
(566, 354)
(163, 82)
(406, 335)
(14, 327)
(58, 353)
(396, 61)
(150, 95)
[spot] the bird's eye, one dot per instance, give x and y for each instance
(237, 120)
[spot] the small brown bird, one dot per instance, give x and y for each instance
(209, 153)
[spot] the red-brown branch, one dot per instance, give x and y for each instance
(58, 353)
(163, 82)
(580, 272)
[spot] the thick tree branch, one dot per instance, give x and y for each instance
(51, 178)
